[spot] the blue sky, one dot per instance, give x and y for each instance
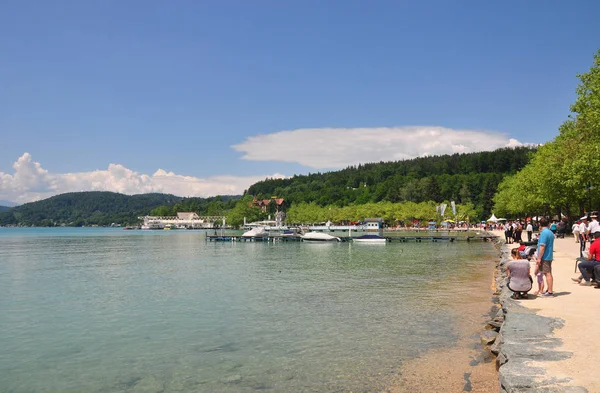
(148, 85)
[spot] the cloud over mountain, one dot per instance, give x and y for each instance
(31, 182)
(332, 148)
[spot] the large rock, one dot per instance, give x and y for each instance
(488, 336)
(495, 348)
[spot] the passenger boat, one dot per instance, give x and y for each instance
(319, 237)
(374, 239)
(256, 232)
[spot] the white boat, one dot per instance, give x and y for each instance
(152, 225)
(374, 239)
(256, 232)
(319, 237)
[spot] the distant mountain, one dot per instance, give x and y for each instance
(104, 208)
(92, 208)
(6, 203)
(85, 208)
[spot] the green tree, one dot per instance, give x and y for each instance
(244, 209)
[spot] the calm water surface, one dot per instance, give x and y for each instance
(107, 310)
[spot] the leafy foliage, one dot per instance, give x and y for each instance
(472, 177)
(244, 209)
(562, 175)
(392, 213)
(215, 206)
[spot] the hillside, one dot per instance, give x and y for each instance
(4, 208)
(104, 208)
(464, 178)
(6, 203)
(85, 208)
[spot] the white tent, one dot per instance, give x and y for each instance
(493, 218)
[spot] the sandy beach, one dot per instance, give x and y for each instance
(466, 366)
(579, 308)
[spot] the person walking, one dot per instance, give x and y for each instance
(545, 253)
(575, 230)
(583, 229)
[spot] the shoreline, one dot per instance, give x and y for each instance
(467, 365)
(544, 343)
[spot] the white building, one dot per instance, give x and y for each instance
(188, 220)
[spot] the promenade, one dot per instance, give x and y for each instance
(579, 308)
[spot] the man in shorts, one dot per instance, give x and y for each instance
(590, 263)
(545, 254)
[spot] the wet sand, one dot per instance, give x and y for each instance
(465, 367)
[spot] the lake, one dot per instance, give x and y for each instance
(107, 310)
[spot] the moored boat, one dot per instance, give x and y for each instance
(256, 232)
(374, 239)
(319, 237)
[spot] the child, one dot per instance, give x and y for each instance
(539, 275)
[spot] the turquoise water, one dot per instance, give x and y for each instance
(107, 310)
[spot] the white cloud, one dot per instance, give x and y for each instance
(331, 148)
(31, 182)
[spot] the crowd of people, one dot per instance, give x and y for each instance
(513, 231)
(589, 261)
(536, 254)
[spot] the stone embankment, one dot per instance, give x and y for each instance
(520, 337)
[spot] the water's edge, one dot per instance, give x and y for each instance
(469, 364)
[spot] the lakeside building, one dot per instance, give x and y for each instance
(184, 220)
(277, 203)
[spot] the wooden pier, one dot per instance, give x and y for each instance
(389, 239)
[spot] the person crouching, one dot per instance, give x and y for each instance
(518, 274)
(588, 264)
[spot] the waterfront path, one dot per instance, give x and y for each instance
(579, 308)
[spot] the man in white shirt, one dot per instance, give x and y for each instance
(575, 230)
(594, 226)
(529, 230)
(583, 230)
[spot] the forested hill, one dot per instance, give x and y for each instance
(97, 208)
(472, 177)
(3, 208)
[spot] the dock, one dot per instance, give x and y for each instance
(389, 239)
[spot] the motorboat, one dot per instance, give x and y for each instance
(319, 237)
(256, 232)
(373, 239)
